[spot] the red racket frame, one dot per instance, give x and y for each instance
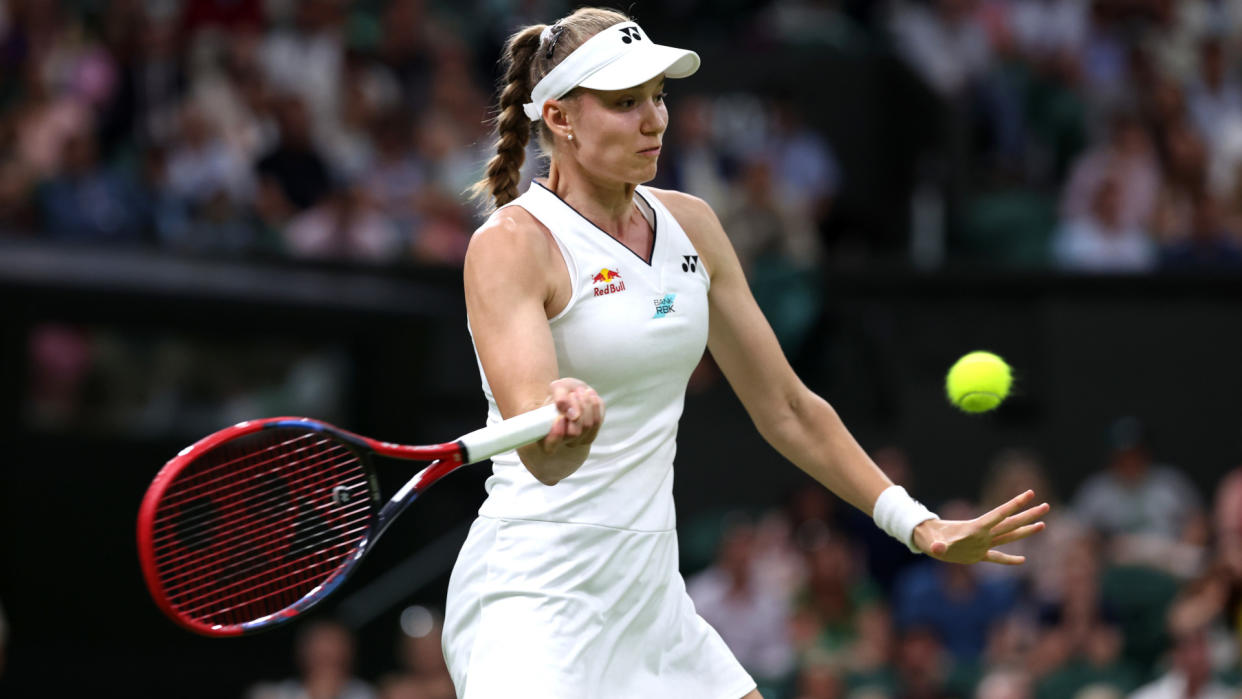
(445, 458)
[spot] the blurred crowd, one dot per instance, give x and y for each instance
(316, 129)
(323, 129)
(1087, 135)
(1093, 135)
(325, 656)
(1134, 589)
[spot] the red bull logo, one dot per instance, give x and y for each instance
(611, 281)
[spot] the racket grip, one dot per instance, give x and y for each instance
(517, 431)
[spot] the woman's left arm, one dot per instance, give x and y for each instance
(802, 426)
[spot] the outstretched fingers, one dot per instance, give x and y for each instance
(998, 515)
(1021, 519)
(995, 556)
(1019, 533)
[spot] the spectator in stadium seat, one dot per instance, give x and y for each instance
(424, 674)
(837, 595)
(1134, 495)
(1101, 240)
(779, 248)
(693, 161)
(1093, 663)
(1209, 246)
(1190, 673)
(346, 225)
(1213, 601)
(1128, 158)
(751, 618)
(954, 602)
(944, 42)
(325, 655)
(1005, 683)
(89, 202)
(1215, 96)
(820, 680)
(293, 176)
(201, 164)
(923, 665)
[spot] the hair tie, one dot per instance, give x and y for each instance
(551, 34)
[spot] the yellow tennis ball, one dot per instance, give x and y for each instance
(978, 382)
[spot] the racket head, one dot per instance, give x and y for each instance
(254, 524)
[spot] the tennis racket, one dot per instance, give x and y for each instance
(253, 525)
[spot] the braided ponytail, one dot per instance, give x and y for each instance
(500, 184)
(524, 66)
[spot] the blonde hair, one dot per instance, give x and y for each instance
(526, 59)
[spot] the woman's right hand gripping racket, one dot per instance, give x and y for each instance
(253, 525)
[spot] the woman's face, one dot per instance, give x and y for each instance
(617, 133)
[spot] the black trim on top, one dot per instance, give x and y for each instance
(655, 227)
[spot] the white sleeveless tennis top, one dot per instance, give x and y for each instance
(634, 332)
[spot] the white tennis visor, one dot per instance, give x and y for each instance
(618, 57)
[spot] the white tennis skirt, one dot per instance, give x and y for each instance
(551, 610)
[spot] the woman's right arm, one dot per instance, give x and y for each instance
(510, 280)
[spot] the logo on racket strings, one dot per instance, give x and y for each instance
(340, 495)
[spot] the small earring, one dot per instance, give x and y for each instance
(571, 135)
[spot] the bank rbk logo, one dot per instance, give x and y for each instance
(629, 34)
(664, 305)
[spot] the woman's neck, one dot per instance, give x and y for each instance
(609, 205)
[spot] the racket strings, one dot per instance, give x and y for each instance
(282, 594)
(245, 498)
(264, 507)
(255, 525)
(270, 545)
(219, 586)
(203, 514)
(225, 471)
(185, 565)
(238, 587)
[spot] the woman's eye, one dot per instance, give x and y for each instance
(661, 97)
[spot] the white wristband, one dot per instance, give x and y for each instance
(898, 514)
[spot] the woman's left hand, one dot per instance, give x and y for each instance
(974, 540)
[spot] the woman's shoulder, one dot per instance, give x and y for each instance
(686, 208)
(511, 230)
(697, 219)
(511, 242)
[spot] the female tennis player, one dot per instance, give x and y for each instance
(567, 585)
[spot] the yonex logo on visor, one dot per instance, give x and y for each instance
(618, 57)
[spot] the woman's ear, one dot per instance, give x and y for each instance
(556, 119)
